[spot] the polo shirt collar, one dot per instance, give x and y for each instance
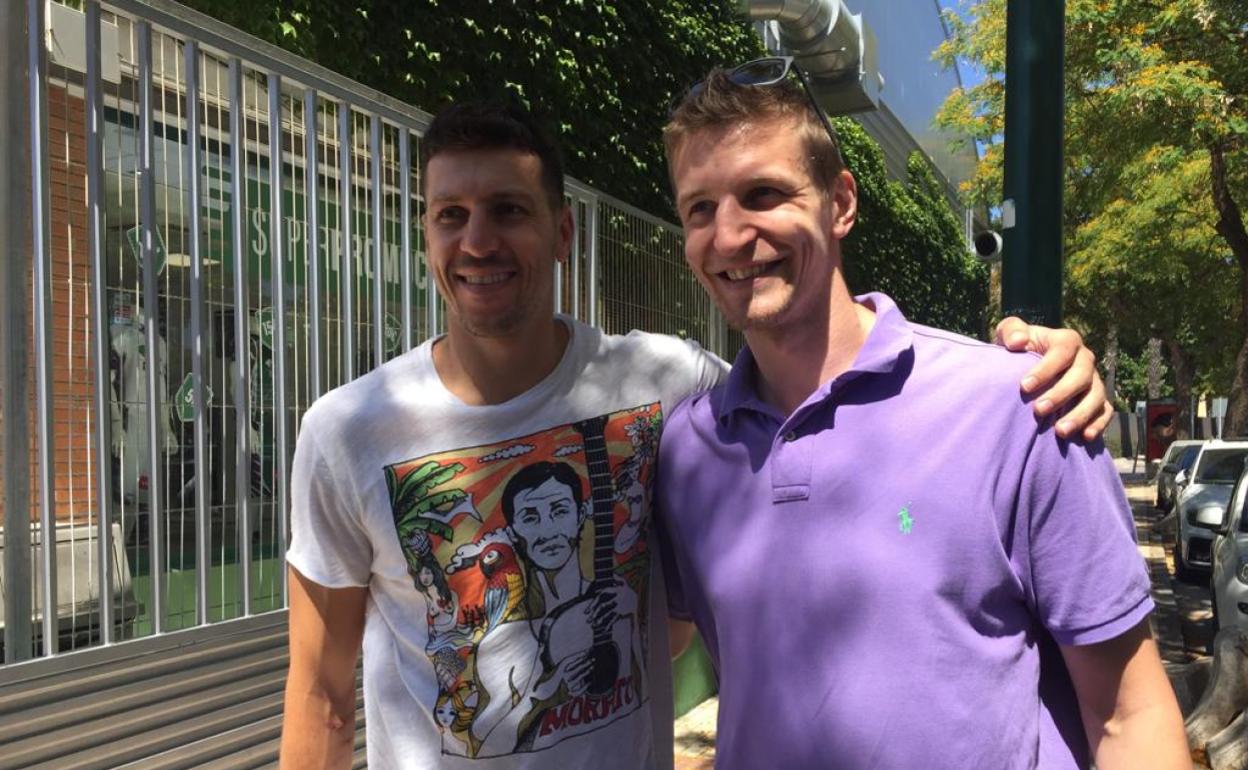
(888, 339)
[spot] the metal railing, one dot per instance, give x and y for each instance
(222, 232)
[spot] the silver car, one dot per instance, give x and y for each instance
(1201, 503)
(1178, 457)
(1229, 581)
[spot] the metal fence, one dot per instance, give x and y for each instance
(219, 233)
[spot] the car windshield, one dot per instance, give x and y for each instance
(1188, 457)
(1220, 466)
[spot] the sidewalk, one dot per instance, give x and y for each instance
(695, 737)
(1180, 622)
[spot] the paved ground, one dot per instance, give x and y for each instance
(1182, 623)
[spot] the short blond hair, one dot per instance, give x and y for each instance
(719, 102)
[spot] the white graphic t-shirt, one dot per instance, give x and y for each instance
(515, 617)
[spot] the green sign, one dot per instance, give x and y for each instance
(262, 321)
(184, 401)
(158, 248)
(259, 235)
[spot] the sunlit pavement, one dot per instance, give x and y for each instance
(695, 737)
(1183, 620)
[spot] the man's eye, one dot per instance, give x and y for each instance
(698, 210)
(763, 197)
(450, 215)
(510, 210)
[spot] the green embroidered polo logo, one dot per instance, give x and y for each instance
(905, 520)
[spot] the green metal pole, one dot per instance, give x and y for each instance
(1031, 214)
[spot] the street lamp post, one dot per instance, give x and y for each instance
(1031, 214)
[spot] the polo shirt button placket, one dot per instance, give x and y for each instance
(790, 469)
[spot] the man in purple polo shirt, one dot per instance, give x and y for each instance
(893, 562)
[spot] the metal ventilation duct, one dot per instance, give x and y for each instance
(833, 47)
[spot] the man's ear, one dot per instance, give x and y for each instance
(567, 231)
(845, 202)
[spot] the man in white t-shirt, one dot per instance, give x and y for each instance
(473, 512)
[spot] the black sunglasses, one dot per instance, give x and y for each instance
(768, 71)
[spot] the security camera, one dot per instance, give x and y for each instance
(987, 246)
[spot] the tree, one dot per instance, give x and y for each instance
(1153, 263)
(1142, 77)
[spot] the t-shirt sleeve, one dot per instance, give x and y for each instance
(328, 542)
(1087, 579)
(710, 369)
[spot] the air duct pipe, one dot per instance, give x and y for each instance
(833, 47)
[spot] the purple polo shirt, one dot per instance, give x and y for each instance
(883, 577)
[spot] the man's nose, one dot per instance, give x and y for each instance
(480, 236)
(734, 229)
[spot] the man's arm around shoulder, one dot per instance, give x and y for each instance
(1128, 707)
(326, 627)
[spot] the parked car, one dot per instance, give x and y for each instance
(1202, 501)
(1229, 579)
(1179, 456)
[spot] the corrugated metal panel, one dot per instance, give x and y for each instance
(215, 701)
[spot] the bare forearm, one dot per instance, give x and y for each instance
(1151, 738)
(318, 728)
(316, 733)
(1128, 706)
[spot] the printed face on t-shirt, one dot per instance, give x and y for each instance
(547, 521)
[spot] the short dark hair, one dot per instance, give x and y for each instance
(721, 102)
(467, 126)
(533, 476)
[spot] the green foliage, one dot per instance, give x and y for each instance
(908, 243)
(1153, 90)
(604, 74)
(601, 73)
(1132, 380)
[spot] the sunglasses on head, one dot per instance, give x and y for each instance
(768, 71)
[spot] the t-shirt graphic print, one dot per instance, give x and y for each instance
(533, 560)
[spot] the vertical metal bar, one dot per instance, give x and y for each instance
(194, 155)
(379, 283)
(312, 250)
(17, 99)
(277, 238)
(37, 72)
(346, 273)
(431, 298)
(558, 290)
(574, 271)
(100, 343)
(42, 285)
(242, 338)
(591, 316)
(405, 225)
(155, 399)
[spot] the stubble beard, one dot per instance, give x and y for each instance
(748, 318)
(495, 326)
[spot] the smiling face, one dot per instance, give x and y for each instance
(492, 239)
(760, 236)
(547, 520)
